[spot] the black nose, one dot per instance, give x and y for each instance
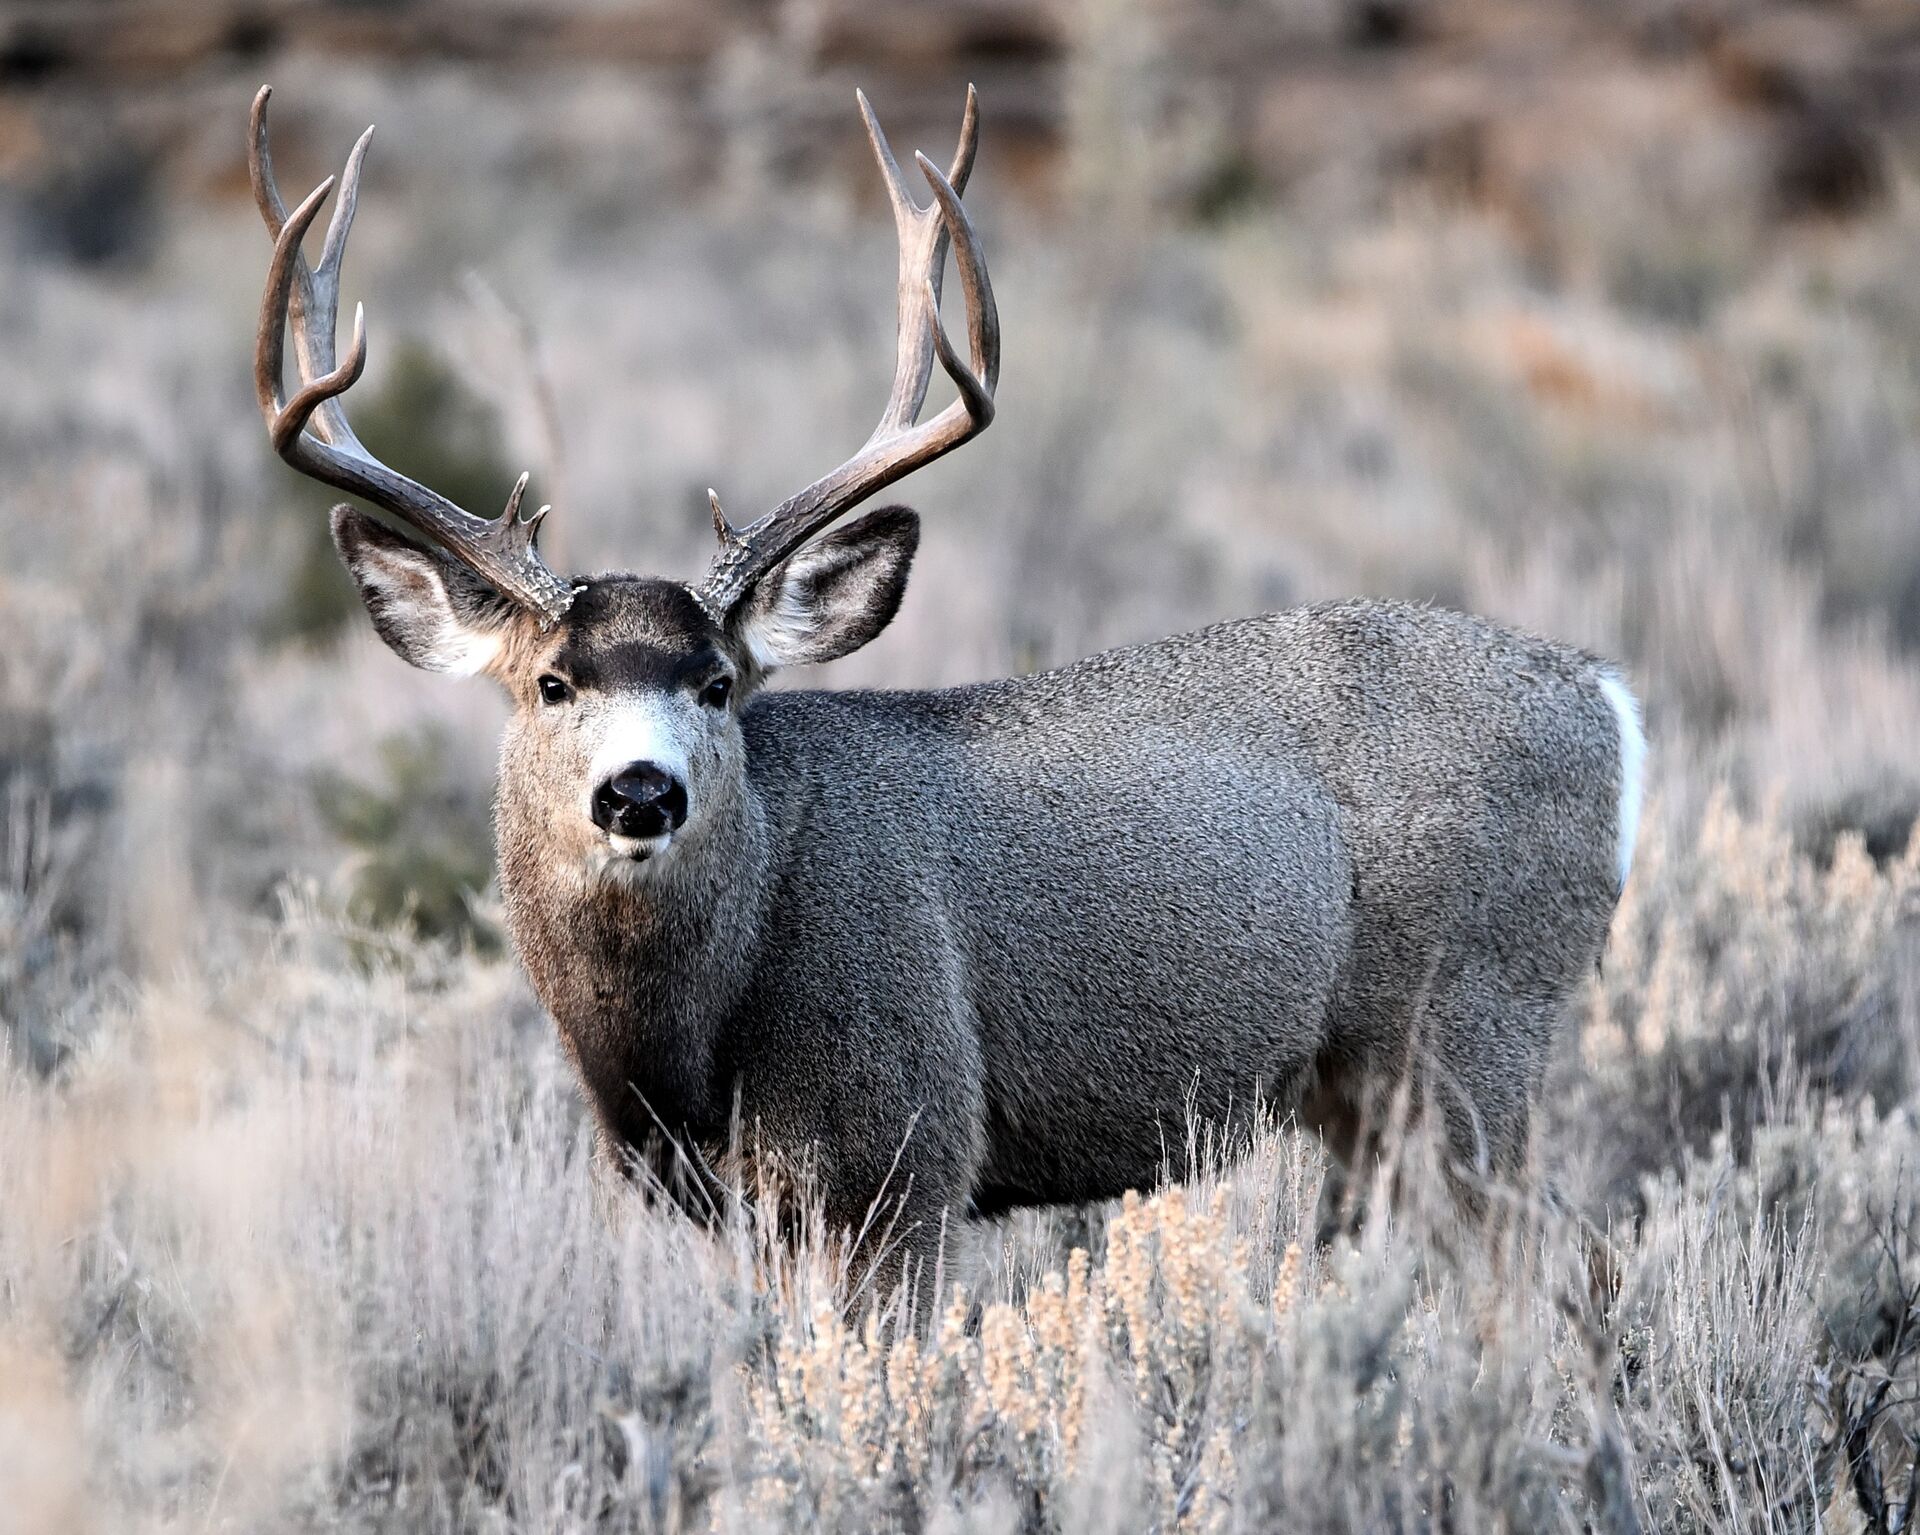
(641, 800)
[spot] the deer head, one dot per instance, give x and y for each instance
(625, 738)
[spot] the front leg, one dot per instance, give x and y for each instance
(899, 1255)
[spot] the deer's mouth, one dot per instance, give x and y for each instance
(627, 860)
(639, 849)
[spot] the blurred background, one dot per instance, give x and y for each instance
(1601, 317)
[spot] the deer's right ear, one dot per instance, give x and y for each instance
(434, 613)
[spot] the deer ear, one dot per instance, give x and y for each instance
(834, 595)
(434, 613)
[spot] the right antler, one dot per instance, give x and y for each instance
(310, 431)
(898, 446)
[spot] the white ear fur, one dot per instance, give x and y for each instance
(417, 600)
(832, 596)
(414, 601)
(777, 633)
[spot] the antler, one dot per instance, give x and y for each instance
(898, 446)
(310, 431)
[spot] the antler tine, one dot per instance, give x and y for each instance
(962, 166)
(287, 418)
(310, 430)
(983, 315)
(313, 340)
(883, 152)
(898, 445)
(269, 348)
(266, 193)
(957, 173)
(922, 250)
(295, 414)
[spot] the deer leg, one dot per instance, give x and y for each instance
(1336, 1111)
(897, 1259)
(1488, 1031)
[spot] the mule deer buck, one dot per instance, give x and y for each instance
(990, 946)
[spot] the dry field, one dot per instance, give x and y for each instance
(297, 1223)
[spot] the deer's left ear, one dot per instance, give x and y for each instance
(830, 598)
(434, 613)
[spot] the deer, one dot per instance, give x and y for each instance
(961, 951)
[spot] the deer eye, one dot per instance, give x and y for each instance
(716, 693)
(554, 690)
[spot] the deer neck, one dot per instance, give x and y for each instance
(640, 966)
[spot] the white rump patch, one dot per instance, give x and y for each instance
(1633, 756)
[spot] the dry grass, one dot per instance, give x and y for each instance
(299, 1229)
(296, 1240)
